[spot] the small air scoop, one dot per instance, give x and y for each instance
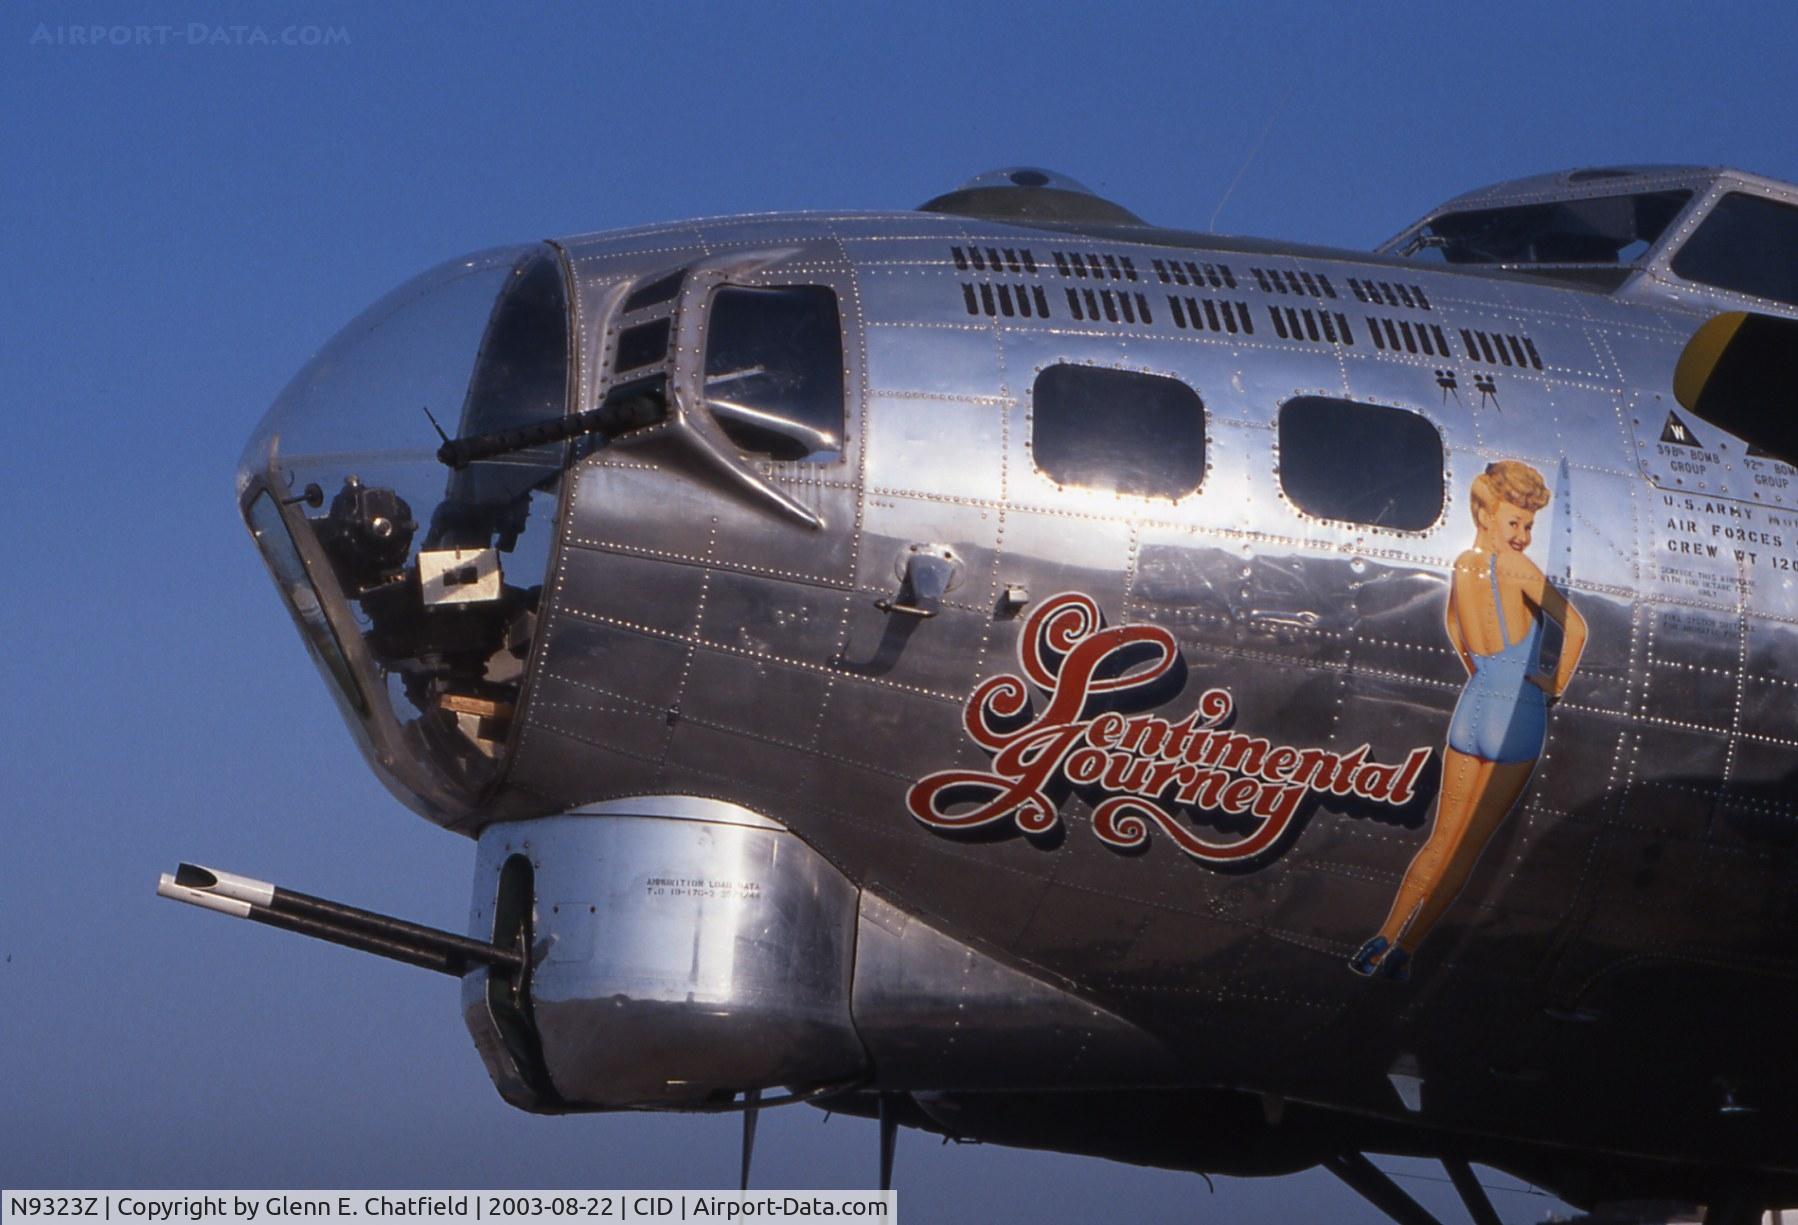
(1030, 194)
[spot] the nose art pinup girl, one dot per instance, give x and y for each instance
(1499, 725)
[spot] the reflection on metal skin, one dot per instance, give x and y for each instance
(503, 1064)
(676, 960)
(935, 1013)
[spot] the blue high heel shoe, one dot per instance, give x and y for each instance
(1396, 966)
(1370, 956)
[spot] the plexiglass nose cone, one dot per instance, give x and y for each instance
(416, 585)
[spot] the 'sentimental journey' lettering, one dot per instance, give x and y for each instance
(1140, 772)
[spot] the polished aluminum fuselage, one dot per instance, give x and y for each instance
(1629, 941)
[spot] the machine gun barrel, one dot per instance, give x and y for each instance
(615, 416)
(413, 943)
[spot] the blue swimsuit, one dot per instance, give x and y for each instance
(1503, 716)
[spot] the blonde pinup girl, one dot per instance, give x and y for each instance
(1496, 603)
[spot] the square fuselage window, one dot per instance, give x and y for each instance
(1118, 431)
(1361, 463)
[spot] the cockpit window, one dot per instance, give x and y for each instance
(1118, 431)
(416, 584)
(1749, 245)
(1611, 230)
(774, 370)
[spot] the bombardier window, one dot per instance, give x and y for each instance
(1749, 245)
(302, 600)
(774, 370)
(1603, 230)
(1118, 431)
(1361, 463)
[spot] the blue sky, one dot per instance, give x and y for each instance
(188, 215)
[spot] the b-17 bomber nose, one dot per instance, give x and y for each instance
(415, 581)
